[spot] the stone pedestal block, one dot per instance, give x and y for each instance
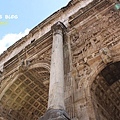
(55, 114)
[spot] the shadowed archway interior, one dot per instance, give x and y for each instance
(27, 97)
(111, 73)
(105, 92)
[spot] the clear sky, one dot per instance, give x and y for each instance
(17, 17)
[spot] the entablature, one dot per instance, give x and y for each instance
(89, 11)
(43, 28)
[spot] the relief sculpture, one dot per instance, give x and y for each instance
(106, 55)
(74, 38)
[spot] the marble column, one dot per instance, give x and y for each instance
(56, 107)
(56, 88)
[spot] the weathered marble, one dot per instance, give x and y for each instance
(56, 88)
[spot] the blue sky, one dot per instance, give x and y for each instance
(17, 17)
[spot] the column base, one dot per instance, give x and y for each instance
(55, 114)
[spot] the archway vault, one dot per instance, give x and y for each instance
(105, 93)
(27, 96)
(111, 73)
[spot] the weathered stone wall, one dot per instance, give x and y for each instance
(94, 40)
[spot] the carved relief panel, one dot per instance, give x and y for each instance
(91, 42)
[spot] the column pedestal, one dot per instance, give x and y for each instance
(55, 114)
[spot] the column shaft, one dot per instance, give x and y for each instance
(56, 107)
(56, 88)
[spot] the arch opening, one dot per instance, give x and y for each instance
(27, 97)
(105, 93)
(111, 73)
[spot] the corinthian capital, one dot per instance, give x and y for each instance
(58, 28)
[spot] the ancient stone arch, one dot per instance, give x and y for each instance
(73, 54)
(26, 95)
(105, 93)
